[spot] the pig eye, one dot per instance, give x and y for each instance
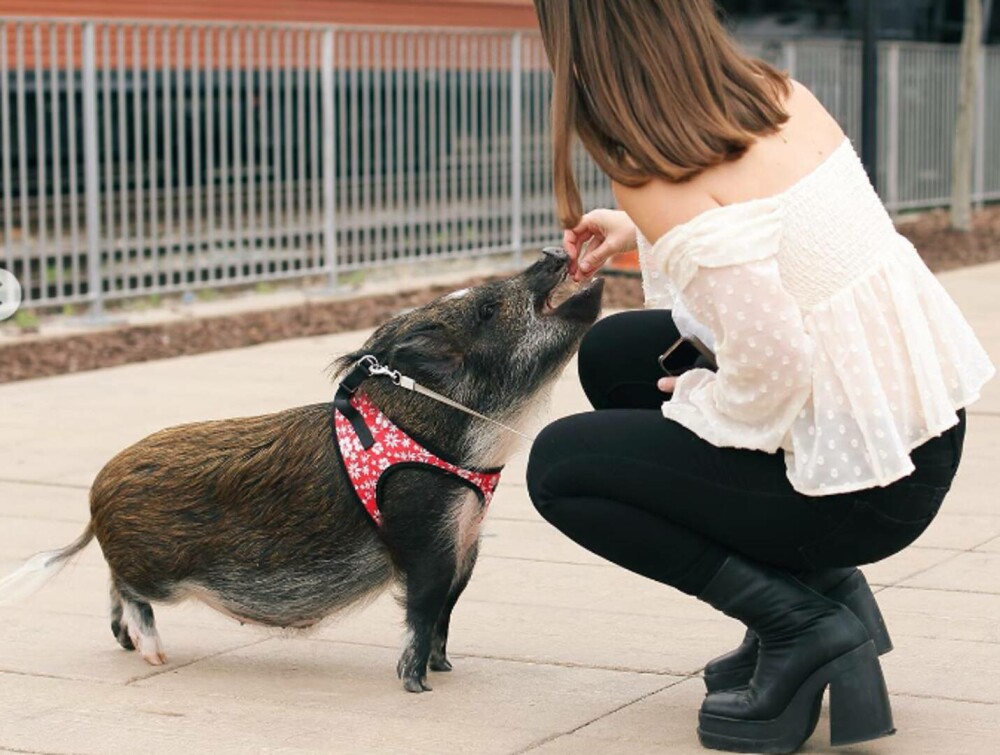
(486, 311)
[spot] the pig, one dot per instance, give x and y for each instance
(257, 518)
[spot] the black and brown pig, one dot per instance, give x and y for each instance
(256, 516)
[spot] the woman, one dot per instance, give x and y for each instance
(833, 426)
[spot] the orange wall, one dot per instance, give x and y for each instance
(482, 13)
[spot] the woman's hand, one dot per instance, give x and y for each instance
(610, 233)
(667, 384)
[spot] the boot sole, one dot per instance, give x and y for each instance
(859, 710)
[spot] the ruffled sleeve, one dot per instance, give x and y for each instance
(659, 293)
(656, 288)
(725, 270)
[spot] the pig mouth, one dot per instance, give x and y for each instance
(569, 300)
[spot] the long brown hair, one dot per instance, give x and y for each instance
(653, 89)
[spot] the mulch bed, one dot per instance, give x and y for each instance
(107, 348)
(940, 247)
(945, 249)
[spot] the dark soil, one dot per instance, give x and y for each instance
(945, 249)
(940, 247)
(107, 348)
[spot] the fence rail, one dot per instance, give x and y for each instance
(139, 158)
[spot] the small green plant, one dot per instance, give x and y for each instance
(353, 278)
(207, 294)
(264, 288)
(26, 320)
(69, 310)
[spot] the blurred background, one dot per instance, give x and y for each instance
(157, 149)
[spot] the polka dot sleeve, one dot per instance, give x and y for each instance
(763, 352)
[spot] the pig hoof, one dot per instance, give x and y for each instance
(140, 629)
(440, 664)
(415, 684)
(121, 634)
(413, 674)
(149, 647)
(155, 658)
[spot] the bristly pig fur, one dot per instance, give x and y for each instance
(256, 516)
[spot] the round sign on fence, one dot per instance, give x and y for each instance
(10, 294)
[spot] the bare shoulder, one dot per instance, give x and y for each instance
(771, 165)
(658, 206)
(808, 116)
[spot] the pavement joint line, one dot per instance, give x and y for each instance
(938, 638)
(955, 554)
(623, 706)
(571, 608)
(525, 661)
(963, 700)
(5, 748)
(987, 541)
(57, 677)
(168, 668)
(498, 557)
(945, 589)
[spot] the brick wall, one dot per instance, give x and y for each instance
(482, 13)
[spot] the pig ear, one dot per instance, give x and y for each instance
(428, 352)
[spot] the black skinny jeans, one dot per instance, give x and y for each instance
(650, 495)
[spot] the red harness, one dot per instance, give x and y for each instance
(367, 456)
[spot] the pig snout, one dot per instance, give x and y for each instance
(550, 269)
(556, 254)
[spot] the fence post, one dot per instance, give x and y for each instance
(517, 196)
(892, 135)
(791, 55)
(329, 161)
(92, 187)
(979, 149)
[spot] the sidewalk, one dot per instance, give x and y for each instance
(554, 650)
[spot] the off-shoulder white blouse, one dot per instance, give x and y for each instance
(834, 341)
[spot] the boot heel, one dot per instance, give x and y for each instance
(859, 701)
(857, 596)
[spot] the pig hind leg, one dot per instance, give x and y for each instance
(118, 627)
(134, 626)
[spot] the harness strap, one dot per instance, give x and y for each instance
(342, 402)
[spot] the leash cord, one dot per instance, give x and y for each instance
(376, 369)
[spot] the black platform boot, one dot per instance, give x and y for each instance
(847, 586)
(806, 643)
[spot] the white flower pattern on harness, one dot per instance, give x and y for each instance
(392, 446)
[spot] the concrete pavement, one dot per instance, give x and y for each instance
(555, 651)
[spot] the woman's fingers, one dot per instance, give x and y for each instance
(595, 255)
(600, 235)
(667, 384)
(573, 242)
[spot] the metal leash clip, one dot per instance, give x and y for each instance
(376, 368)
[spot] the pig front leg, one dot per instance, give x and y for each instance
(439, 642)
(428, 586)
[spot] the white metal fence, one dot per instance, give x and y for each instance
(144, 157)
